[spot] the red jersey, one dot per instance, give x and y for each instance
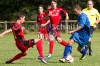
(40, 19)
(18, 33)
(56, 15)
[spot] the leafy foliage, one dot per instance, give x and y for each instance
(9, 8)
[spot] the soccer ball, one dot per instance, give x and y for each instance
(69, 59)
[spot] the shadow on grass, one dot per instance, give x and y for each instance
(11, 63)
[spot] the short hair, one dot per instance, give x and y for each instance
(77, 6)
(91, 1)
(19, 15)
(54, 1)
(40, 6)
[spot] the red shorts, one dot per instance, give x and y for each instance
(44, 32)
(23, 46)
(56, 31)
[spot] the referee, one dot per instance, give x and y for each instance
(94, 18)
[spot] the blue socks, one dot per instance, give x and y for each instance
(67, 50)
(83, 52)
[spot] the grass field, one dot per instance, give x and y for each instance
(8, 50)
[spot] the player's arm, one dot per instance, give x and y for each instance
(78, 28)
(45, 23)
(81, 25)
(5, 32)
(98, 19)
(46, 18)
(47, 15)
(67, 17)
(66, 14)
(37, 24)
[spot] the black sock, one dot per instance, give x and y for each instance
(87, 45)
(90, 47)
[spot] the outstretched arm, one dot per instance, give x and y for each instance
(5, 32)
(78, 28)
(45, 23)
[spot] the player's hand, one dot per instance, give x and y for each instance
(50, 14)
(70, 32)
(66, 20)
(94, 26)
(42, 25)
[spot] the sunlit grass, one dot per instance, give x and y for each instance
(9, 50)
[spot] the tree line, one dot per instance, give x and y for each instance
(10, 8)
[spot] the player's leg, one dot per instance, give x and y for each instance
(90, 50)
(23, 53)
(39, 46)
(51, 45)
(82, 51)
(88, 45)
(18, 56)
(46, 36)
(59, 40)
(67, 50)
(40, 35)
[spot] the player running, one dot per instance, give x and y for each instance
(54, 14)
(40, 20)
(80, 35)
(20, 41)
(94, 18)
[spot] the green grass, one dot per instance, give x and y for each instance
(9, 50)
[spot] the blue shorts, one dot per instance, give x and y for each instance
(80, 38)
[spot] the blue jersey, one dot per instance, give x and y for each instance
(82, 36)
(84, 22)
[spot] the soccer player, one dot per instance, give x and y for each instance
(80, 35)
(20, 41)
(40, 20)
(94, 18)
(54, 14)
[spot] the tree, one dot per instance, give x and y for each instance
(9, 8)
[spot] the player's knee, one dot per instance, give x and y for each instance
(59, 39)
(37, 40)
(79, 49)
(51, 38)
(24, 54)
(31, 43)
(70, 43)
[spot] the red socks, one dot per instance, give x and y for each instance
(40, 48)
(18, 56)
(64, 43)
(51, 45)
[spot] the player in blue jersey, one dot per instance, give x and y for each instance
(80, 35)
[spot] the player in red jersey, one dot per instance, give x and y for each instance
(20, 41)
(54, 15)
(40, 20)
